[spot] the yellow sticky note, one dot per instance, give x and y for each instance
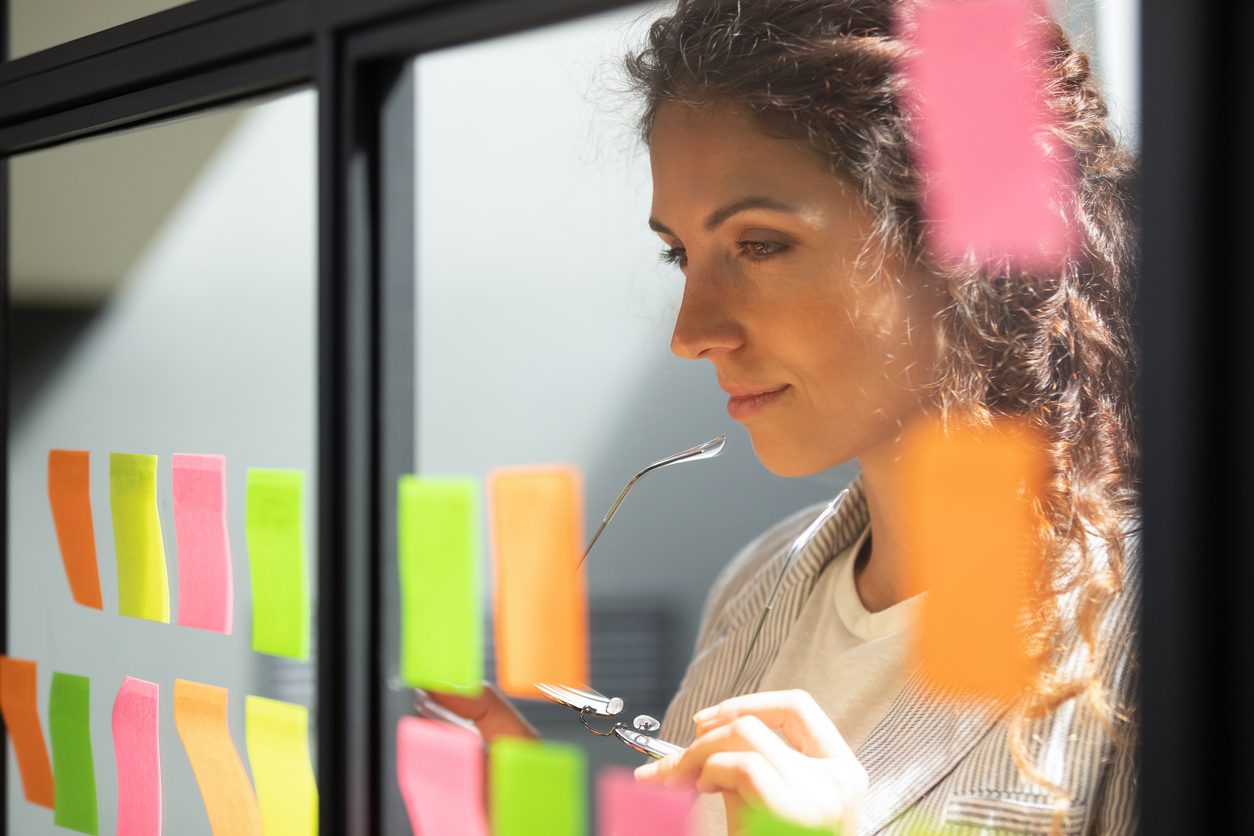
(143, 587)
(277, 734)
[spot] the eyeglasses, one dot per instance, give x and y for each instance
(591, 703)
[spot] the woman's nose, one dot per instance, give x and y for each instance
(705, 323)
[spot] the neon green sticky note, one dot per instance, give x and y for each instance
(537, 787)
(143, 587)
(274, 523)
(758, 822)
(277, 734)
(441, 599)
(73, 774)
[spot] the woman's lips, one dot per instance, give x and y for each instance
(741, 407)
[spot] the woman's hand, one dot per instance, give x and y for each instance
(811, 777)
(491, 713)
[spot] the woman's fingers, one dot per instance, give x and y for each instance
(747, 734)
(812, 779)
(747, 774)
(795, 713)
(491, 713)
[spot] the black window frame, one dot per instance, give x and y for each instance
(356, 54)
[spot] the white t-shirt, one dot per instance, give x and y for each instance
(852, 661)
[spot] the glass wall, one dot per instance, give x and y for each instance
(544, 321)
(163, 287)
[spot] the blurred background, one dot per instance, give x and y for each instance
(544, 318)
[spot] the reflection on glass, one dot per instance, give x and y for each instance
(163, 284)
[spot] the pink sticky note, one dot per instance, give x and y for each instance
(626, 808)
(440, 771)
(137, 750)
(206, 588)
(996, 183)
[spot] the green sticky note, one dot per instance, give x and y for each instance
(274, 523)
(441, 599)
(758, 822)
(143, 587)
(73, 774)
(536, 787)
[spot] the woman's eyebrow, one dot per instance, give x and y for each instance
(719, 216)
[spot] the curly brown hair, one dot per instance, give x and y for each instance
(1052, 348)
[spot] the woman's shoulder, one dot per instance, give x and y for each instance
(769, 544)
(753, 563)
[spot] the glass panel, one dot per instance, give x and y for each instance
(164, 291)
(544, 319)
(543, 324)
(37, 24)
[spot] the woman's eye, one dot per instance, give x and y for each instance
(675, 255)
(761, 250)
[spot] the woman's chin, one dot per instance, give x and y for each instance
(788, 459)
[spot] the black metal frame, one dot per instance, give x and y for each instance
(355, 52)
(1196, 400)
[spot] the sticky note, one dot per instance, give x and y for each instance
(627, 808)
(275, 529)
(206, 586)
(440, 771)
(137, 754)
(536, 787)
(70, 498)
(996, 183)
(73, 772)
(201, 721)
(441, 595)
(277, 734)
(759, 822)
(21, 717)
(143, 587)
(541, 604)
(972, 545)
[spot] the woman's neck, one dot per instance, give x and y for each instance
(883, 579)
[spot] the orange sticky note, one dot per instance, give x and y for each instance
(200, 717)
(21, 717)
(70, 498)
(541, 602)
(973, 546)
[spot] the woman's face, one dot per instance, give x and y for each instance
(823, 357)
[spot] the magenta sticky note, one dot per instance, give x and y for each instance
(206, 586)
(440, 771)
(997, 184)
(137, 750)
(626, 808)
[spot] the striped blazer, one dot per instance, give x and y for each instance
(936, 764)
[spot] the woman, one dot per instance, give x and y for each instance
(786, 191)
